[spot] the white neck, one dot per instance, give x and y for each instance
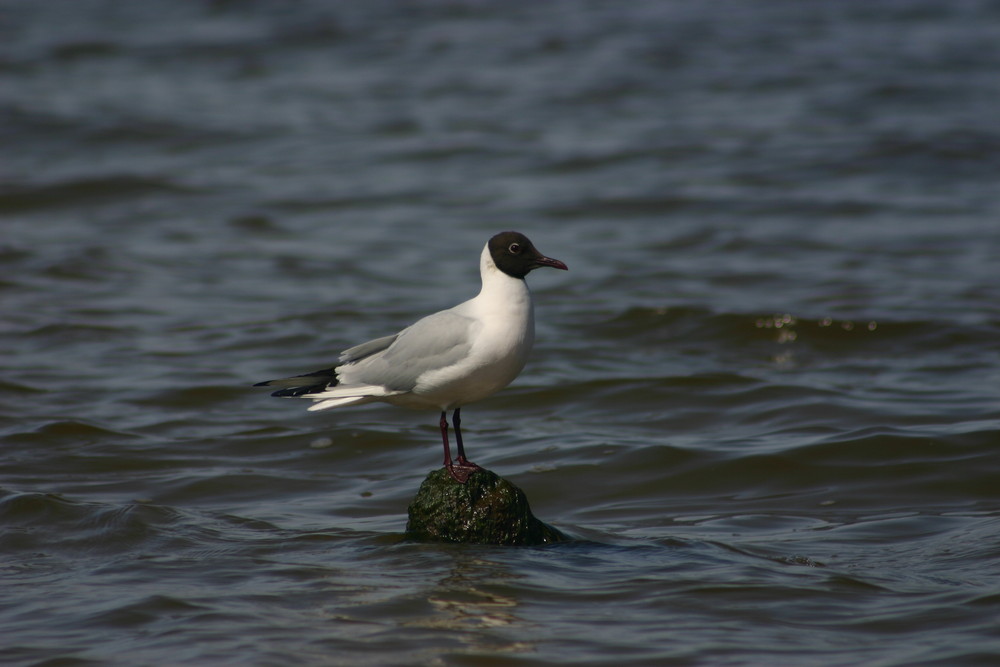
(493, 278)
(498, 285)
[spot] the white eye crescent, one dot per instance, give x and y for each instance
(514, 248)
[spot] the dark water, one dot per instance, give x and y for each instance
(765, 399)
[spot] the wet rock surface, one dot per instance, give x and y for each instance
(487, 509)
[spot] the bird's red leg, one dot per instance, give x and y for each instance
(444, 437)
(463, 467)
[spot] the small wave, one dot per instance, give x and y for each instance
(192, 397)
(85, 49)
(150, 609)
(16, 388)
(786, 328)
(48, 523)
(66, 332)
(13, 254)
(889, 471)
(230, 487)
(967, 145)
(37, 507)
(444, 153)
(346, 202)
(67, 431)
(18, 198)
(618, 207)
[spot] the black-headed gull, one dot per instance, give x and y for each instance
(445, 360)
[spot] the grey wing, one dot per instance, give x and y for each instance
(359, 352)
(436, 341)
(318, 381)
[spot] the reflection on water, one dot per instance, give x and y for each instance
(464, 606)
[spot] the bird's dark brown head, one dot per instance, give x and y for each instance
(515, 255)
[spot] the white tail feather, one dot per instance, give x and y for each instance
(337, 402)
(337, 396)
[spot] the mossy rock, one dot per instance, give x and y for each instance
(487, 509)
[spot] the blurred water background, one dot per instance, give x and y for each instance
(765, 399)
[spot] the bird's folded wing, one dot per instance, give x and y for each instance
(311, 383)
(432, 343)
(359, 352)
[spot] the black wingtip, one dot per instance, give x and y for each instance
(295, 392)
(299, 385)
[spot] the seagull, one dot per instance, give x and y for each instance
(445, 360)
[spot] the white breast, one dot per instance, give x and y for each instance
(502, 337)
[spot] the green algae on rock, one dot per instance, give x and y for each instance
(487, 509)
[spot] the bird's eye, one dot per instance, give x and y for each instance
(514, 248)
